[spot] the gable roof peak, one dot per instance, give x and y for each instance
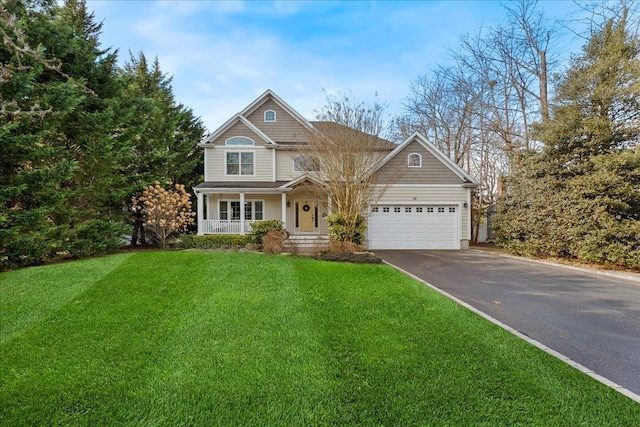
(429, 146)
(269, 94)
(232, 121)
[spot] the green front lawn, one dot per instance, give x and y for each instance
(197, 338)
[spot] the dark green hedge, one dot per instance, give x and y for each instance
(215, 241)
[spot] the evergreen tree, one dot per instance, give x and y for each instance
(164, 135)
(78, 135)
(36, 97)
(580, 197)
(93, 204)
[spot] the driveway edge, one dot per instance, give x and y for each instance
(628, 393)
(634, 277)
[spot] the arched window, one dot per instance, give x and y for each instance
(304, 164)
(269, 116)
(239, 140)
(414, 160)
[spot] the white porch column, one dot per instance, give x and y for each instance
(241, 213)
(200, 212)
(329, 207)
(284, 210)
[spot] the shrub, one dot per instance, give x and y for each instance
(273, 242)
(357, 258)
(347, 252)
(260, 228)
(94, 238)
(215, 241)
(166, 212)
(346, 230)
(341, 247)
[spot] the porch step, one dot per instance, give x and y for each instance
(306, 244)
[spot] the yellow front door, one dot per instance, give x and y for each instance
(306, 213)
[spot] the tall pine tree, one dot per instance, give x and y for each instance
(36, 95)
(580, 197)
(163, 134)
(79, 136)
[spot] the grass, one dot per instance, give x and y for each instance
(197, 338)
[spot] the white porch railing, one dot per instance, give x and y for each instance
(218, 226)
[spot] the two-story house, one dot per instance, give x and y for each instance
(254, 170)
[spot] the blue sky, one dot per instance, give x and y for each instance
(222, 54)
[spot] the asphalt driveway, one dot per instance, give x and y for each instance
(591, 318)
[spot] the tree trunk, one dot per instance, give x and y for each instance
(544, 101)
(134, 235)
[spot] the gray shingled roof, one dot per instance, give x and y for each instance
(239, 184)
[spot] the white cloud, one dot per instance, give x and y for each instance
(205, 87)
(222, 54)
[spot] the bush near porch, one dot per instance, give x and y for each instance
(215, 241)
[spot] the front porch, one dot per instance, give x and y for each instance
(218, 226)
(226, 210)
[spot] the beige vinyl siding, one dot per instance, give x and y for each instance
(216, 164)
(421, 195)
(285, 129)
(215, 158)
(433, 171)
(284, 165)
(272, 205)
(425, 193)
(239, 129)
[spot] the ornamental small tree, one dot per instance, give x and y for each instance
(343, 149)
(166, 212)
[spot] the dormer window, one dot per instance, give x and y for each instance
(269, 116)
(239, 140)
(414, 160)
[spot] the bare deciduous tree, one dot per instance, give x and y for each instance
(479, 110)
(343, 150)
(441, 107)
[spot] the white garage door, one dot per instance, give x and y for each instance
(414, 227)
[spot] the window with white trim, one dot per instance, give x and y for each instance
(240, 163)
(304, 164)
(239, 140)
(414, 160)
(230, 210)
(269, 116)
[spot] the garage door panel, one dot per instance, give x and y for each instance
(414, 227)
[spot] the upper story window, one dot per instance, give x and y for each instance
(239, 140)
(305, 164)
(240, 163)
(269, 116)
(414, 160)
